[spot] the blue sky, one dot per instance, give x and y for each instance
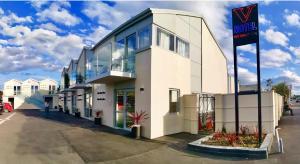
(38, 38)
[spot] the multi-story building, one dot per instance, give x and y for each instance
(29, 91)
(148, 64)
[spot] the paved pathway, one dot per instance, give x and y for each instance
(31, 136)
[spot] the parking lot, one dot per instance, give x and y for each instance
(31, 136)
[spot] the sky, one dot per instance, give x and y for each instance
(39, 38)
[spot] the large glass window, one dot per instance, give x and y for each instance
(174, 95)
(165, 40)
(118, 55)
(182, 47)
(103, 59)
(144, 36)
(90, 64)
(130, 53)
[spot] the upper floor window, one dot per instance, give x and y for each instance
(182, 47)
(165, 40)
(144, 36)
(174, 95)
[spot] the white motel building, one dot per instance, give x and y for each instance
(30, 91)
(149, 63)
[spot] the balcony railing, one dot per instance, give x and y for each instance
(107, 66)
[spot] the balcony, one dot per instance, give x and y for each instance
(109, 67)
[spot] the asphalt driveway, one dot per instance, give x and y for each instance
(31, 136)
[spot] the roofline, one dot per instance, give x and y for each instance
(142, 15)
(132, 20)
(85, 48)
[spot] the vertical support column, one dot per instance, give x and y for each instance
(258, 93)
(236, 96)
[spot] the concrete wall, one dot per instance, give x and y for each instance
(189, 29)
(80, 101)
(69, 101)
(143, 80)
(225, 111)
(167, 71)
(107, 105)
(191, 110)
(214, 65)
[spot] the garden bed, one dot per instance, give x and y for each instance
(224, 139)
(245, 146)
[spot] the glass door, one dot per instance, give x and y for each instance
(125, 102)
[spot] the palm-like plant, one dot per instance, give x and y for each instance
(138, 117)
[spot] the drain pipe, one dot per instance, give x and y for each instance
(279, 141)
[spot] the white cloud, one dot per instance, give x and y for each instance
(291, 78)
(40, 48)
(38, 4)
(97, 34)
(50, 26)
(275, 37)
(295, 50)
(274, 58)
(292, 18)
(246, 77)
(58, 14)
(12, 18)
(263, 20)
(248, 48)
(105, 14)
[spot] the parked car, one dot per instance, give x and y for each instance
(8, 107)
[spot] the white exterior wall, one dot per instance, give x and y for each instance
(69, 101)
(107, 105)
(225, 111)
(8, 89)
(143, 80)
(80, 101)
(26, 86)
(214, 73)
(175, 74)
(44, 85)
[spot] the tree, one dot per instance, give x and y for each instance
(283, 90)
(269, 84)
(67, 80)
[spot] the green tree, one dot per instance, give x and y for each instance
(269, 84)
(283, 90)
(67, 80)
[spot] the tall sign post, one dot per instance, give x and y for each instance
(245, 31)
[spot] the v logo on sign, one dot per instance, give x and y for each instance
(243, 15)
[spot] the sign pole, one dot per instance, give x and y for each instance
(258, 93)
(245, 31)
(236, 96)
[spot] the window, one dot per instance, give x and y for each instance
(165, 40)
(144, 37)
(182, 47)
(130, 53)
(174, 95)
(118, 55)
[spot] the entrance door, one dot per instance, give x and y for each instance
(12, 102)
(125, 103)
(74, 100)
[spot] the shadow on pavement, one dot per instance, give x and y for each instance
(63, 135)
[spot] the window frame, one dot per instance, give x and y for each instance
(176, 46)
(178, 100)
(159, 29)
(139, 48)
